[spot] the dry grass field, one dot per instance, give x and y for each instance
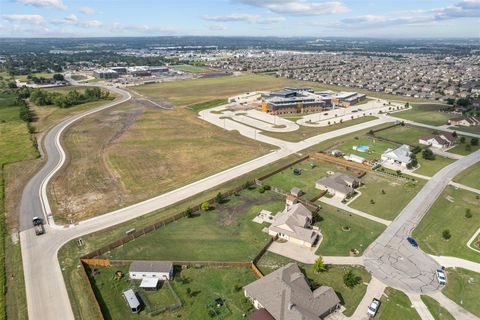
(133, 152)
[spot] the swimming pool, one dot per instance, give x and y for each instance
(361, 148)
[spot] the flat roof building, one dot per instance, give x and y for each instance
(132, 300)
(162, 270)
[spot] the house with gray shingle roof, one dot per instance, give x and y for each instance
(399, 156)
(286, 295)
(295, 225)
(339, 184)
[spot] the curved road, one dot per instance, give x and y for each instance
(391, 258)
(47, 297)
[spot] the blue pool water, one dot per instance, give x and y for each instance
(363, 148)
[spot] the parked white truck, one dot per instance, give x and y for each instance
(38, 226)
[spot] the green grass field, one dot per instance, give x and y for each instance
(470, 176)
(463, 287)
(461, 148)
(226, 233)
(305, 132)
(15, 145)
(405, 134)
(437, 311)
(337, 242)
(24, 78)
(205, 285)
(425, 113)
(430, 167)
(377, 147)
(396, 306)
(448, 212)
(207, 105)
(388, 204)
(190, 68)
(472, 129)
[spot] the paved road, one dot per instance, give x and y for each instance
(47, 296)
(391, 258)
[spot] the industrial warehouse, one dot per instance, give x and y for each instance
(303, 100)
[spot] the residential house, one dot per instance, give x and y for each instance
(441, 141)
(286, 294)
(339, 184)
(399, 156)
(297, 192)
(465, 121)
(162, 270)
(295, 225)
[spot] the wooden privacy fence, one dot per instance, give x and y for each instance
(91, 293)
(341, 162)
(97, 262)
(386, 128)
(284, 167)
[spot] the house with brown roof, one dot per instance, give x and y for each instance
(465, 121)
(286, 295)
(441, 141)
(294, 224)
(339, 184)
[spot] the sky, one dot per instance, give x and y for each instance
(283, 18)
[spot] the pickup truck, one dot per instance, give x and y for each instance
(38, 226)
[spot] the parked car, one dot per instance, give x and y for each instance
(373, 307)
(413, 242)
(441, 277)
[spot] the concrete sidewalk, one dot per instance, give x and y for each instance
(455, 310)
(337, 203)
(421, 308)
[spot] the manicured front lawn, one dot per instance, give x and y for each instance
(396, 194)
(462, 149)
(204, 284)
(437, 311)
(226, 233)
(396, 306)
(425, 113)
(470, 176)
(337, 242)
(463, 287)
(430, 167)
(333, 277)
(448, 212)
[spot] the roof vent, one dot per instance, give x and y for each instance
(291, 306)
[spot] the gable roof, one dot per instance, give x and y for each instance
(401, 154)
(339, 182)
(295, 218)
(285, 294)
(151, 266)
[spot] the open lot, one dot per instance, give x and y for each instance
(463, 287)
(343, 231)
(333, 277)
(404, 134)
(190, 68)
(462, 149)
(396, 194)
(305, 132)
(396, 306)
(430, 167)
(133, 152)
(437, 311)
(470, 176)
(224, 234)
(425, 113)
(448, 212)
(205, 285)
(472, 129)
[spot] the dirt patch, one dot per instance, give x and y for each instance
(228, 215)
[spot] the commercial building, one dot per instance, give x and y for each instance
(292, 100)
(105, 74)
(347, 99)
(286, 294)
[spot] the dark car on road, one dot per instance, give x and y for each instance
(413, 242)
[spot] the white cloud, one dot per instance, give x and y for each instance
(87, 10)
(298, 7)
(217, 27)
(244, 17)
(44, 3)
(24, 18)
(72, 19)
(118, 27)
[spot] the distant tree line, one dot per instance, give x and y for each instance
(42, 97)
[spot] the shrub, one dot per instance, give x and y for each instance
(468, 213)
(350, 279)
(261, 189)
(446, 234)
(474, 142)
(319, 266)
(189, 212)
(205, 206)
(462, 139)
(428, 154)
(372, 201)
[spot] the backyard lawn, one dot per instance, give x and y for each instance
(225, 233)
(333, 277)
(425, 113)
(449, 212)
(437, 311)
(430, 167)
(389, 194)
(404, 134)
(197, 288)
(470, 176)
(343, 231)
(396, 306)
(463, 287)
(376, 147)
